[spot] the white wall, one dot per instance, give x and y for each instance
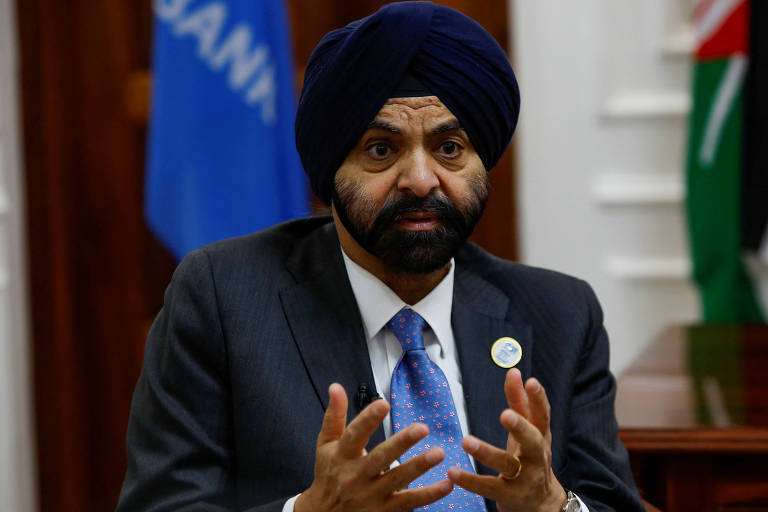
(17, 468)
(605, 96)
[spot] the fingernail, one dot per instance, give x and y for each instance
(512, 417)
(536, 386)
(434, 456)
(453, 472)
(470, 444)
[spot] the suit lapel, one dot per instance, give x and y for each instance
(480, 316)
(328, 331)
(325, 321)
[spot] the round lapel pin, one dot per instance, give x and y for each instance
(506, 352)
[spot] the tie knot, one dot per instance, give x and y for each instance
(408, 325)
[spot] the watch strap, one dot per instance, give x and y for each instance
(572, 503)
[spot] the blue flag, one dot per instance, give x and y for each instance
(221, 157)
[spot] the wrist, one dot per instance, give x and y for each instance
(559, 500)
(300, 505)
(297, 503)
(571, 503)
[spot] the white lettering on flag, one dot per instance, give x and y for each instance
(205, 24)
(243, 62)
(169, 10)
(263, 91)
(250, 69)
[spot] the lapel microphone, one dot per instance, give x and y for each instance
(365, 395)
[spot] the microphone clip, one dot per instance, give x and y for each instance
(364, 396)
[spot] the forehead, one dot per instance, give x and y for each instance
(425, 110)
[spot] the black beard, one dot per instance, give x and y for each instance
(414, 252)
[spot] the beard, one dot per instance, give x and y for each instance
(413, 252)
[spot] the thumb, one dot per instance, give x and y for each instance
(335, 419)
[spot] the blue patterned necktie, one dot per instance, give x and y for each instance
(420, 393)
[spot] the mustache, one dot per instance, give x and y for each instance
(396, 208)
(450, 218)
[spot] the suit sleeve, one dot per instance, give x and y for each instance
(598, 464)
(179, 439)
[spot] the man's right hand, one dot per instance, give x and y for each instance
(347, 478)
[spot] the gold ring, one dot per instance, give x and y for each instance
(507, 476)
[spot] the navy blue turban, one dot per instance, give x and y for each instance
(354, 70)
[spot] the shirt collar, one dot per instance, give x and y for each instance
(378, 303)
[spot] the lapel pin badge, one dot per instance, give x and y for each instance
(506, 352)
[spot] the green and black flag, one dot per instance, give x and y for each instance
(727, 161)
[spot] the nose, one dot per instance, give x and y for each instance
(418, 174)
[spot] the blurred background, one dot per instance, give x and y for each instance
(108, 108)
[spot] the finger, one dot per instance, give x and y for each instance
(399, 477)
(528, 436)
(517, 398)
(335, 415)
(489, 486)
(385, 453)
(512, 445)
(359, 430)
(493, 457)
(414, 498)
(540, 408)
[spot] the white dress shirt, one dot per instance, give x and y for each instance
(378, 304)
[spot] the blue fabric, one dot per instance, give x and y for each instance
(419, 392)
(353, 71)
(221, 159)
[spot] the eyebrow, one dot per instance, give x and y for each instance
(448, 126)
(381, 125)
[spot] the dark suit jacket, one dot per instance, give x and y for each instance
(254, 329)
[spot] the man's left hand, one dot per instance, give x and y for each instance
(526, 480)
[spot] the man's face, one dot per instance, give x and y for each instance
(413, 188)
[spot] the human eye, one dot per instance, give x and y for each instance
(379, 150)
(450, 149)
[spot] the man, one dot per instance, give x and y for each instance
(263, 341)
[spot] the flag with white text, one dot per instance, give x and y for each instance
(221, 158)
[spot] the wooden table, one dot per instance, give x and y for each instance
(693, 413)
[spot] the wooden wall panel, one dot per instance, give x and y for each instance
(97, 275)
